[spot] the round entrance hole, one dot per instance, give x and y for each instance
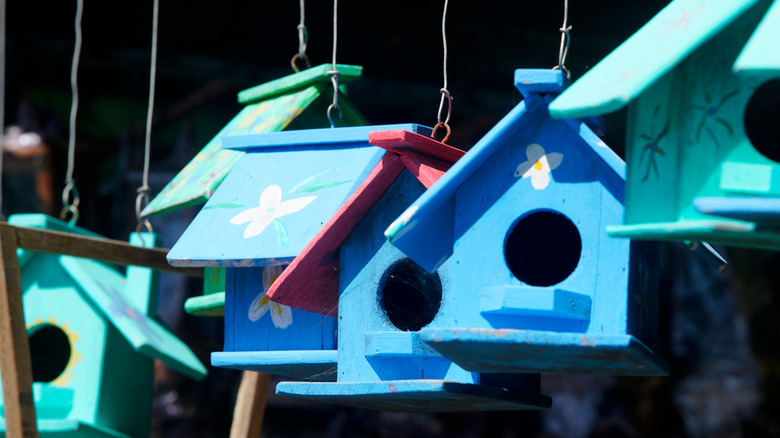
(543, 248)
(49, 351)
(411, 296)
(761, 124)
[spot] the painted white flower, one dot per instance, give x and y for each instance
(271, 207)
(281, 315)
(538, 166)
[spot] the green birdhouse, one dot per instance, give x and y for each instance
(296, 101)
(93, 339)
(701, 80)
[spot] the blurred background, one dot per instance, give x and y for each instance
(721, 332)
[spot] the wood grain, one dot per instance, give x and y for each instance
(249, 410)
(105, 250)
(15, 362)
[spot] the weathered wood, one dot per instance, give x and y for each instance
(15, 362)
(106, 250)
(249, 410)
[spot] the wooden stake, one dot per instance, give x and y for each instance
(15, 362)
(249, 411)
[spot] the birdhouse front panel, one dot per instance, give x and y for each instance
(539, 285)
(385, 299)
(73, 352)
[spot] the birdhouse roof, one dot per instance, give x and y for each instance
(430, 218)
(106, 290)
(274, 201)
(317, 264)
(269, 107)
(675, 32)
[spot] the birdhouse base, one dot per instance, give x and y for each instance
(206, 305)
(415, 396)
(296, 364)
(529, 351)
(726, 232)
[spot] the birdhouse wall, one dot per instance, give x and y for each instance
(50, 295)
(371, 347)
(248, 327)
(686, 135)
(585, 267)
(126, 388)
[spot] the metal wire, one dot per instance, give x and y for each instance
(445, 93)
(565, 30)
(143, 191)
(70, 184)
(335, 72)
(303, 41)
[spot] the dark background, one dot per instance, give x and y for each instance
(720, 331)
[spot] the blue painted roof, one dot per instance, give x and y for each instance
(279, 195)
(422, 221)
(675, 32)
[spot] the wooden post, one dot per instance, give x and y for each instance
(15, 362)
(249, 411)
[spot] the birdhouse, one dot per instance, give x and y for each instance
(297, 101)
(536, 284)
(384, 299)
(93, 337)
(703, 144)
(286, 186)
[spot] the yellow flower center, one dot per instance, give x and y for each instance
(264, 301)
(538, 165)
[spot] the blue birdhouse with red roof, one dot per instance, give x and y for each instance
(94, 334)
(383, 299)
(703, 142)
(278, 196)
(536, 284)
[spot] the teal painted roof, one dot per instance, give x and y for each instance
(107, 290)
(658, 47)
(761, 54)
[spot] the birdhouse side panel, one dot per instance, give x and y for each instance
(653, 153)
(51, 296)
(126, 388)
(642, 302)
(385, 298)
(254, 323)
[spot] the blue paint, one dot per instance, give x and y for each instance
(610, 288)
(299, 364)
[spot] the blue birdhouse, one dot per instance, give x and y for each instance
(277, 197)
(703, 143)
(536, 283)
(384, 299)
(93, 337)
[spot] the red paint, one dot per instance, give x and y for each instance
(392, 388)
(318, 263)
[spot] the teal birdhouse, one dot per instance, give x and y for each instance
(294, 102)
(384, 299)
(536, 283)
(93, 336)
(285, 187)
(703, 143)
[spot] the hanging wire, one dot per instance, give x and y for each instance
(143, 191)
(69, 206)
(303, 40)
(335, 71)
(565, 40)
(2, 95)
(445, 93)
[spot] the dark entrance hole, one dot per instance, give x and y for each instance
(411, 296)
(49, 351)
(543, 248)
(762, 125)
